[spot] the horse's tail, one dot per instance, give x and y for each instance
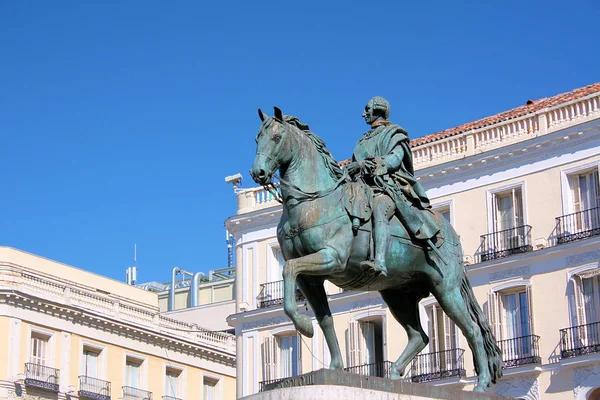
(494, 354)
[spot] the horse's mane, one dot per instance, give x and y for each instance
(332, 166)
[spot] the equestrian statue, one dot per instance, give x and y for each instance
(369, 226)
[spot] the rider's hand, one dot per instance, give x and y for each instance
(367, 165)
(353, 168)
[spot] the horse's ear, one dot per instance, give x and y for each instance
(261, 115)
(278, 114)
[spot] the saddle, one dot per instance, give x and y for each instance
(417, 223)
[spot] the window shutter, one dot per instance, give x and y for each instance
(353, 347)
(448, 333)
(576, 198)
(493, 314)
(299, 360)
(530, 310)
(270, 350)
(579, 305)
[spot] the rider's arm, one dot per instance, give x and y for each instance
(392, 161)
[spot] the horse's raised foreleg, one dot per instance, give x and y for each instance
(405, 308)
(323, 262)
(317, 299)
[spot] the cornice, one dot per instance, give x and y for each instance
(263, 218)
(485, 163)
(84, 317)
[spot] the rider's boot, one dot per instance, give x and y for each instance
(381, 235)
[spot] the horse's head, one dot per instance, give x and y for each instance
(272, 147)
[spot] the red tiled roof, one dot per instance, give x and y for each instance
(530, 107)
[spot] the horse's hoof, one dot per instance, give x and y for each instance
(336, 365)
(304, 326)
(481, 388)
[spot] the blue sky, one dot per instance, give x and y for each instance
(120, 119)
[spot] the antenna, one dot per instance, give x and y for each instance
(132, 271)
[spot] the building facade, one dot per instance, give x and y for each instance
(522, 190)
(73, 334)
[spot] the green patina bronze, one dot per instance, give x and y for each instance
(368, 227)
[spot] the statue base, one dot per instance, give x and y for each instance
(332, 384)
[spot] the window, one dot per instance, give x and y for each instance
(507, 208)
(442, 342)
(510, 314)
(587, 297)
(584, 202)
(90, 365)
(172, 382)
(133, 372)
(209, 389)
(442, 330)
(281, 357)
(364, 343)
(289, 356)
(39, 348)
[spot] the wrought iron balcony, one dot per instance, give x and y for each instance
(271, 294)
(380, 369)
(504, 243)
(93, 388)
(42, 377)
(520, 351)
(580, 340)
(131, 393)
(170, 398)
(438, 365)
(577, 226)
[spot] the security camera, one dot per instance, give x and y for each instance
(235, 180)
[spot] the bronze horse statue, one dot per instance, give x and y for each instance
(317, 241)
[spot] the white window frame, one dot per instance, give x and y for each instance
(432, 303)
(50, 349)
(181, 379)
(273, 263)
(218, 384)
(495, 315)
(373, 315)
(567, 201)
(573, 277)
(143, 369)
(492, 193)
(101, 350)
(276, 334)
(449, 205)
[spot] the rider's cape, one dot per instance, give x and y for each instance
(412, 204)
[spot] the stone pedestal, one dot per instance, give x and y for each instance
(328, 384)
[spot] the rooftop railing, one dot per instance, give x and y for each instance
(577, 226)
(93, 388)
(42, 377)
(580, 340)
(438, 365)
(271, 294)
(504, 243)
(520, 351)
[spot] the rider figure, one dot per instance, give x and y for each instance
(384, 159)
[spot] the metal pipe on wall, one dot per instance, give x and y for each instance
(195, 287)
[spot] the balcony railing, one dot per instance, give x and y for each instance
(579, 225)
(520, 351)
(504, 243)
(93, 388)
(580, 340)
(271, 294)
(131, 393)
(380, 369)
(170, 398)
(42, 377)
(438, 365)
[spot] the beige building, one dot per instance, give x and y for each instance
(73, 334)
(522, 190)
